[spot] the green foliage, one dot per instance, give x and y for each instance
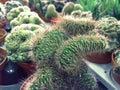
(46, 46)
(109, 27)
(51, 12)
(26, 18)
(11, 4)
(18, 45)
(76, 26)
(87, 82)
(68, 8)
(70, 53)
(14, 12)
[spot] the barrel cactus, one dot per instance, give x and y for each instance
(69, 54)
(68, 8)
(76, 26)
(14, 12)
(26, 18)
(18, 45)
(46, 46)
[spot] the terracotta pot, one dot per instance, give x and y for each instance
(3, 53)
(3, 1)
(3, 34)
(115, 75)
(29, 68)
(99, 58)
(27, 83)
(2, 24)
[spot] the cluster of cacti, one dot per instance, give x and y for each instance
(68, 8)
(76, 26)
(18, 45)
(68, 55)
(26, 18)
(51, 12)
(11, 4)
(13, 13)
(46, 46)
(109, 27)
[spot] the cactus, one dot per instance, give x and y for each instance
(14, 12)
(76, 13)
(26, 18)
(109, 27)
(11, 4)
(18, 45)
(46, 46)
(75, 26)
(68, 8)
(51, 12)
(87, 82)
(78, 7)
(68, 56)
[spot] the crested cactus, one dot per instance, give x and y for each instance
(76, 26)
(68, 56)
(18, 45)
(26, 18)
(46, 46)
(87, 82)
(51, 12)
(11, 4)
(110, 27)
(68, 8)
(13, 13)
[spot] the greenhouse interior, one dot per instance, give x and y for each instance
(59, 44)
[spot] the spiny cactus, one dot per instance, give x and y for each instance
(46, 46)
(51, 12)
(14, 12)
(76, 26)
(87, 82)
(68, 56)
(78, 7)
(68, 8)
(26, 18)
(109, 27)
(18, 45)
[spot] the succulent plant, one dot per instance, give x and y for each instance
(87, 82)
(51, 12)
(18, 45)
(76, 26)
(78, 7)
(68, 56)
(11, 4)
(68, 8)
(46, 46)
(109, 27)
(26, 18)
(14, 12)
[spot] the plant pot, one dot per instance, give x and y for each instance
(28, 67)
(3, 1)
(27, 83)
(3, 53)
(99, 58)
(3, 34)
(115, 75)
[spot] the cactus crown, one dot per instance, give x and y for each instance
(76, 26)
(70, 53)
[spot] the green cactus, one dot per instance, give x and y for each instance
(109, 27)
(11, 4)
(51, 12)
(46, 46)
(78, 7)
(68, 56)
(87, 82)
(26, 18)
(76, 26)
(14, 12)
(68, 8)
(18, 45)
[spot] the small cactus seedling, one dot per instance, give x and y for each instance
(51, 12)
